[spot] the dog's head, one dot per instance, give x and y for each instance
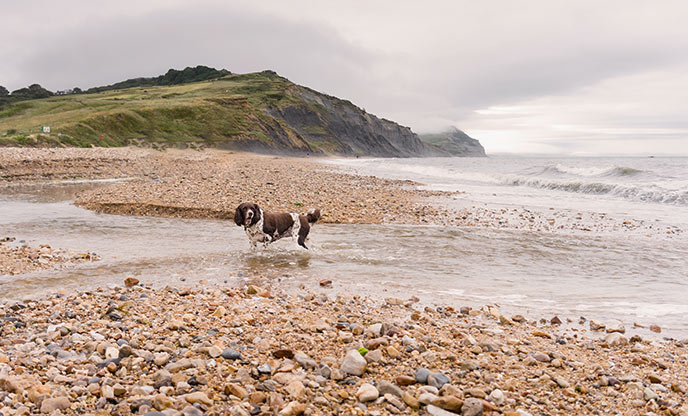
(313, 215)
(247, 214)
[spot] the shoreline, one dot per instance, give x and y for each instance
(211, 183)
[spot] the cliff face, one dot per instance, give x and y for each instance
(337, 126)
(455, 142)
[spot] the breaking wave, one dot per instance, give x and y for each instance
(610, 171)
(644, 193)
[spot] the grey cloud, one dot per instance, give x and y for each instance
(107, 51)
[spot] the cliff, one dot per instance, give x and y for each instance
(455, 142)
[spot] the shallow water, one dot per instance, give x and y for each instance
(602, 277)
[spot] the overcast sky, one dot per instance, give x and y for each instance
(571, 77)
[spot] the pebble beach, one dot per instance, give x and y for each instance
(258, 349)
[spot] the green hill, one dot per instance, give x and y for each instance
(258, 111)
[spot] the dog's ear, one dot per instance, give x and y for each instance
(256, 213)
(239, 216)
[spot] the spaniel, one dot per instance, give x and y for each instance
(267, 227)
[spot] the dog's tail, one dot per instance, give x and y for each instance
(313, 215)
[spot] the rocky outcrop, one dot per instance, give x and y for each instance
(455, 142)
(338, 126)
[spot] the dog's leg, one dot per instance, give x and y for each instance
(303, 234)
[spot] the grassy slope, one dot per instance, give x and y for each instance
(227, 110)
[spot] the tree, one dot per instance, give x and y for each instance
(3, 91)
(76, 90)
(32, 91)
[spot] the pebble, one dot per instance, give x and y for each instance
(497, 397)
(57, 403)
(367, 392)
(437, 380)
(385, 387)
(422, 375)
(596, 326)
(615, 326)
(472, 407)
(410, 401)
(198, 397)
(353, 363)
(374, 356)
(293, 409)
(541, 357)
(305, 361)
(405, 380)
(191, 411)
(616, 340)
(296, 390)
(437, 411)
(649, 394)
(131, 281)
(230, 354)
(374, 330)
(561, 381)
(161, 358)
(452, 403)
(215, 351)
(470, 365)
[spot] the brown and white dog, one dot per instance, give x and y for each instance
(266, 227)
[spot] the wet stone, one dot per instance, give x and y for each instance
(422, 375)
(230, 354)
(437, 380)
(385, 387)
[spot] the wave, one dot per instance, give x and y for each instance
(608, 171)
(638, 193)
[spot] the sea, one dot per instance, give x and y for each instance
(637, 277)
(649, 188)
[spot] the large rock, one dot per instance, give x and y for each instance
(198, 397)
(385, 387)
(55, 403)
(437, 411)
(615, 326)
(353, 363)
(497, 397)
(367, 393)
(452, 403)
(472, 407)
(616, 340)
(437, 380)
(305, 361)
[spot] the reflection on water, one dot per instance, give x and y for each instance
(268, 260)
(633, 279)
